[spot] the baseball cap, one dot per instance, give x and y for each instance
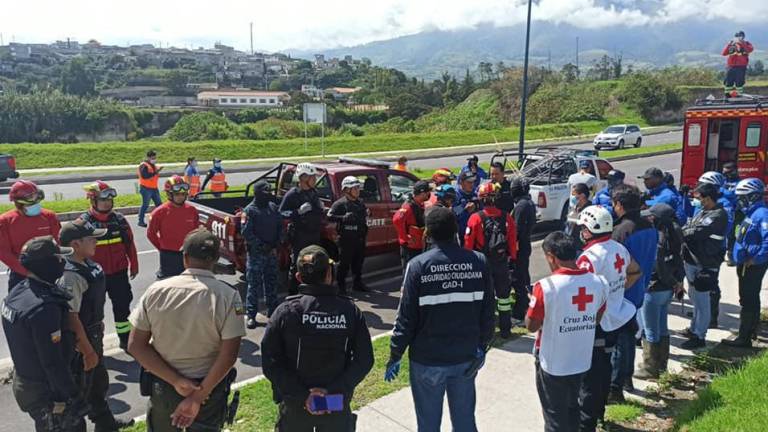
(616, 175)
(201, 244)
(467, 176)
(79, 229)
(44, 247)
(420, 187)
(653, 173)
(473, 158)
(584, 163)
(261, 186)
(313, 260)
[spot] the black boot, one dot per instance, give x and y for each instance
(714, 303)
(747, 326)
(505, 324)
(358, 285)
(123, 337)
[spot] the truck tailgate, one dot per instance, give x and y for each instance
(226, 227)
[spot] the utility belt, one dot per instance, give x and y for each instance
(147, 380)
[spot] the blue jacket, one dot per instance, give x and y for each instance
(603, 198)
(641, 238)
(752, 236)
(447, 307)
(481, 174)
(684, 207)
(263, 227)
(191, 170)
(462, 216)
(663, 194)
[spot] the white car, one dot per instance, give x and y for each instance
(618, 137)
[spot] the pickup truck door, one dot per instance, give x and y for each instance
(398, 188)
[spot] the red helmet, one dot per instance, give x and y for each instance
(176, 184)
(26, 193)
(487, 190)
(443, 172)
(99, 190)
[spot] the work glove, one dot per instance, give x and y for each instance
(393, 369)
(305, 208)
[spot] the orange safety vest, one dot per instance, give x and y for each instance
(150, 183)
(400, 167)
(218, 182)
(194, 184)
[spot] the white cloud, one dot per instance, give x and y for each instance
(312, 24)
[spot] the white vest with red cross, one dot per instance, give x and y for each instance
(568, 303)
(610, 259)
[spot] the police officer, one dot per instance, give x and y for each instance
(169, 225)
(350, 214)
(302, 207)
(85, 281)
(504, 202)
(750, 254)
(409, 223)
(217, 178)
(149, 176)
(115, 253)
(17, 226)
(35, 322)
(731, 172)
(473, 167)
(191, 365)
(524, 214)
(494, 234)
(316, 350)
(603, 196)
(262, 229)
(658, 191)
(466, 201)
(445, 320)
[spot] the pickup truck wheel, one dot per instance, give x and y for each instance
(639, 141)
(621, 145)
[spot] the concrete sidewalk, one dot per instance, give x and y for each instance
(507, 398)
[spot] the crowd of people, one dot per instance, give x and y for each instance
(465, 250)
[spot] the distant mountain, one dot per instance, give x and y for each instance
(428, 54)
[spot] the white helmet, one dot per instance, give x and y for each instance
(350, 182)
(305, 168)
(597, 219)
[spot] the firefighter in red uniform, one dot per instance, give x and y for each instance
(494, 234)
(115, 253)
(169, 224)
(737, 51)
(28, 220)
(409, 223)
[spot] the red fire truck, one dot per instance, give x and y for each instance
(723, 130)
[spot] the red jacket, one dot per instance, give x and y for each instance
(741, 56)
(409, 224)
(169, 224)
(116, 251)
(474, 238)
(17, 228)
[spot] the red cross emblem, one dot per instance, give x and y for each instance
(582, 299)
(619, 264)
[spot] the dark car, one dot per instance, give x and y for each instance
(7, 167)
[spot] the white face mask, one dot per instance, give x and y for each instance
(153, 161)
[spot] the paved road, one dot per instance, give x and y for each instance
(75, 189)
(383, 275)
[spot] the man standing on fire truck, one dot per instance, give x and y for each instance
(115, 253)
(737, 51)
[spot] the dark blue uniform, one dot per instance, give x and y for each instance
(35, 325)
(262, 232)
(462, 215)
(750, 253)
(351, 217)
(305, 228)
(524, 214)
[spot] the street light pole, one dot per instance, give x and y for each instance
(521, 148)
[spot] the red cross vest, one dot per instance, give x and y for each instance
(568, 302)
(610, 259)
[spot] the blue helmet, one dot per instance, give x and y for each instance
(750, 186)
(445, 191)
(713, 177)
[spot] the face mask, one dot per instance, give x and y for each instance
(153, 161)
(48, 269)
(696, 203)
(262, 199)
(574, 200)
(33, 210)
(217, 165)
(194, 164)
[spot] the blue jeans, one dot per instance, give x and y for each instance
(146, 195)
(429, 384)
(654, 315)
(623, 358)
(701, 308)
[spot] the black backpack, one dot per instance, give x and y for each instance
(495, 232)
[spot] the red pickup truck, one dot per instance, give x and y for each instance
(383, 191)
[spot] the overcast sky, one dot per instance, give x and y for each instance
(309, 24)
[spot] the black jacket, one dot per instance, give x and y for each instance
(525, 219)
(350, 227)
(669, 270)
(316, 339)
(35, 317)
(447, 307)
(705, 238)
(505, 202)
(307, 228)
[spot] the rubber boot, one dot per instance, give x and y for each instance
(505, 324)
(649, 369)
(714, 303)
(664, 354)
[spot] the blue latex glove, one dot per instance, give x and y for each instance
(393, 369)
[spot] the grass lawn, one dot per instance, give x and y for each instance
(30, 155)
(623, 412)
(736, 401)
(258, 412)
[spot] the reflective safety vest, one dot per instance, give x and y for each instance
(194, 184)
(219, 182)
(150, 183)
(400, 167)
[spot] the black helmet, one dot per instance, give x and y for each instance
(518, 186)
(740, 33)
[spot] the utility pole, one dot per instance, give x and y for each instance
(521, 145)
(251, 38)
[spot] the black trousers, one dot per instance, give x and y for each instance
(502, 289)
(596, 383)
(171, 264)
(292, 417)
(94, 383)
(352, 252)
(36, 399)
(521, 282)
(119, 291)
(559, 397)
(750, 283)
(735, 77)
(407, 254)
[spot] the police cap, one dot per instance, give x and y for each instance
(201, 244)
(43, 247)
(79, 229)
(420, 187)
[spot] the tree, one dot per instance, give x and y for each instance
(176, 81)
(500, 68)
(468, 85)
(602, 69)
(617, 69)
(756, 69)
(569, 72)
(76, 79)
(407, 106)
